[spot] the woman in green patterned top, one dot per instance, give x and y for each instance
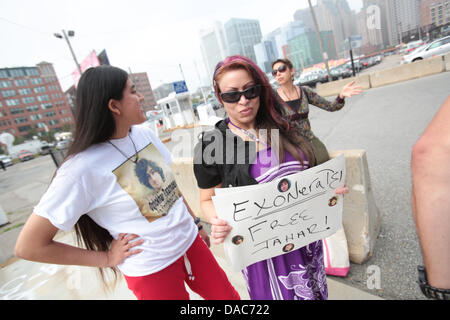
(298, 100)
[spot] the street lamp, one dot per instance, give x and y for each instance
(71, 33)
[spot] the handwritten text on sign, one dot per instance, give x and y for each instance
(286, 214)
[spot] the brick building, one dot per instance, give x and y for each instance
(32, 101)
(143, 86)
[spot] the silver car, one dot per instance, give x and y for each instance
(436, 48)
(7, 161)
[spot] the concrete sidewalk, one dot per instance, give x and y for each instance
(20, 279)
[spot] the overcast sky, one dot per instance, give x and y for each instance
(138, 35)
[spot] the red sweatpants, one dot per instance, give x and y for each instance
(210, 281)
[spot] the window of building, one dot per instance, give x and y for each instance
(44, 97)
(29, 100)
(8, 93)
(16, 110)
(16, 73)
(3, 74)
(36, 81)
(24, 128)
(21, 82)
(25, 91)
(50, 114)
(40, 89)
(5, 84)
(32, 108)
(53, 122)
(20, 120)
(31, 71)
(12, 102)
(35, 117)
(46, 106)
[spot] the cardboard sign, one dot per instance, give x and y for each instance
(283, 215)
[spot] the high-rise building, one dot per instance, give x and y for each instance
(213, 45)
(403, 19)
(242, 35)
(32, 101)
(434, 13)
(372, 25)
(272, 44)
(332, 15)
(304, 49)
(143, 86)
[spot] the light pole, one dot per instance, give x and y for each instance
(316, 26)
(71, 34)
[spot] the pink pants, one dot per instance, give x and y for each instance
(206, 278)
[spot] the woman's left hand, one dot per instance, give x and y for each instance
(204, 235)
(343, 190)
(350, 90)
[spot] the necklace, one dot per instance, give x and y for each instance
(136, 159)
(288, 99)
(247, 133)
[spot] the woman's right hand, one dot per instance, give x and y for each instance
(121, 249)
(219, 230)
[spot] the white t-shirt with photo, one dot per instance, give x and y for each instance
(102, 183)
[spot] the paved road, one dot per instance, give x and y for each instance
(384, 121)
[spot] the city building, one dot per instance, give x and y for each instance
(213, 45)
(434, 14)
(242, 35)
(403, 18)
(372, 25)
(273, 44)
(304, 49)
(332, 15)
(143, 86)
(32, 101)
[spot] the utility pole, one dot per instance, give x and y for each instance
(200, 81)
(316, 26)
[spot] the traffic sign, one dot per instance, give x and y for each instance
(180, 87)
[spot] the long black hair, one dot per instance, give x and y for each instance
(94, 124)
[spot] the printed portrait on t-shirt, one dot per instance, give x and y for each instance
(150, 182)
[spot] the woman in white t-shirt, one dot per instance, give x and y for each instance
(148, 234)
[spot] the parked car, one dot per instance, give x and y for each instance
(63, 144)
(25, 155)
(46, 149)
(311, 79)
(340, 72)
(411, 46)
(7, 161)
(436, 48)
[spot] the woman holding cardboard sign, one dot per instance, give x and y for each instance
(252, 107)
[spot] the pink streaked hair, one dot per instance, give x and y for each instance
(269, 113)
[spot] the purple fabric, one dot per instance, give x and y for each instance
(297, 275)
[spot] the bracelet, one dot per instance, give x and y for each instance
(200, 227)
(197, 221)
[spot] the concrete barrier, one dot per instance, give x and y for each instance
(361, 218)
(406, 72)
(447, 61)
(183, 169)
(333, 88)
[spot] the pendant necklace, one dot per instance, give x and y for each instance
(247, 133)
(288, 99)
(136, 159)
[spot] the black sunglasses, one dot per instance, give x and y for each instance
(235, 96)
(281, 69)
